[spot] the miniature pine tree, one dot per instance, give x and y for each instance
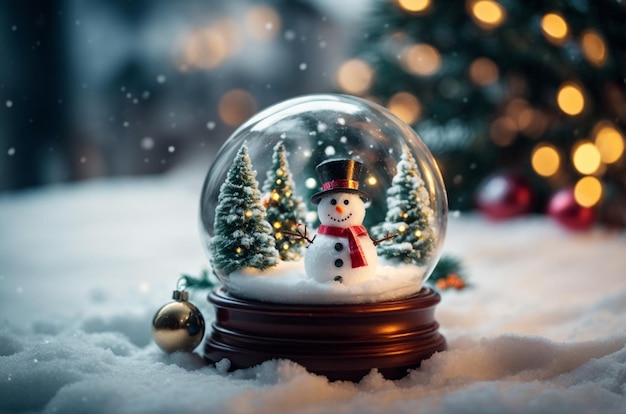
(409, 216)
(284, 209)
(242, 235)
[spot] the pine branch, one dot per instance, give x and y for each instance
(203, 282)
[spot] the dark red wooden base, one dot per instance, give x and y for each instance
(342, 342)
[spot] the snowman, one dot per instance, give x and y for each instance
(342, 251)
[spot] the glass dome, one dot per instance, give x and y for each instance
(316, 128)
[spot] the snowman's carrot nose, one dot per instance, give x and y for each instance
(339, 209)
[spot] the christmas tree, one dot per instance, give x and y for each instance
(409, 216)
(284, 209)
(242, 236)
(533, 86)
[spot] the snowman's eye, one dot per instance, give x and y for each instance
(333, 201)
(346, 202)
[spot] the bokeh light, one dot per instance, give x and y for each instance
(588, 191)
(487, 13)
(422, 59)
(610, 142)
(593, 47)
(414, 6)
(355, 76)
(405, 106)
(586, 157)
(503, 131)
(545, 160)
(554, 28)
(236, 106)
(570, 99)
(483, 72)
(263, 22)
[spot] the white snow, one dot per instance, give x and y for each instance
(83, 268)
(288, 283)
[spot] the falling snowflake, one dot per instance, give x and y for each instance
(210, 125)
(147, 143)
(303, 66)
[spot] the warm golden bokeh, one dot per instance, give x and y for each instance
(570, 99)
(355, 76)
(610, 143)
(483, 72)
(422, 59)
(263, 22)
(593, 47)
(586, 157)
(545, 160)
(488, 14)
(554, 28)
(588, 191)
(405, 106)
(236, 106)
(414, 6)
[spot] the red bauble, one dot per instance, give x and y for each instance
(564, 209)
(503, 195)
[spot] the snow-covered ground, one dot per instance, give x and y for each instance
(83, 268)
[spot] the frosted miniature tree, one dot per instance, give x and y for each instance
(409, 216)
(284, 209)
(242, 236)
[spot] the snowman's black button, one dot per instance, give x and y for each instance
(338, 263)
(338, 247)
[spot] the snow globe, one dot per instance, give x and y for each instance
(322, 217)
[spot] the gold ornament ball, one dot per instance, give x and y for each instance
(178, 326)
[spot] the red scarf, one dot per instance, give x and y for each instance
(352, 233)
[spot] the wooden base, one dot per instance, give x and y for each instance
(342, 342)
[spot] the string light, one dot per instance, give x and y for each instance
(588, 191)
(247, 214)
(371, 180)
(545, 160)
(355, 76)
(236, 106)
(422, 59)
(487, 13)
(586, 157)
(483, 72)
(554, 28)
(503, 131)
(609, 141)
(570, 99)
(414, 6)
(593, 47)
(263, 22)
(405, 106)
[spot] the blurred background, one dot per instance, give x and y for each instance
(523, 103)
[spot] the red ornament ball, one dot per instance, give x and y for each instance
(504, 195)
(565, 210)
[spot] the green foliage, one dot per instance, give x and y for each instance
(242, 236)
(492, 98)
(409, 216)
(284, 209)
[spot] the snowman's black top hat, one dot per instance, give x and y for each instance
(339, 176)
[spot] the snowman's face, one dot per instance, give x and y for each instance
(341, 210)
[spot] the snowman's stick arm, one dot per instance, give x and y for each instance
(299, 235)
(387, 237)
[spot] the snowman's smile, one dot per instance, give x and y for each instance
(336, 220)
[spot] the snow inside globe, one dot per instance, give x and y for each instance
(323, 199)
